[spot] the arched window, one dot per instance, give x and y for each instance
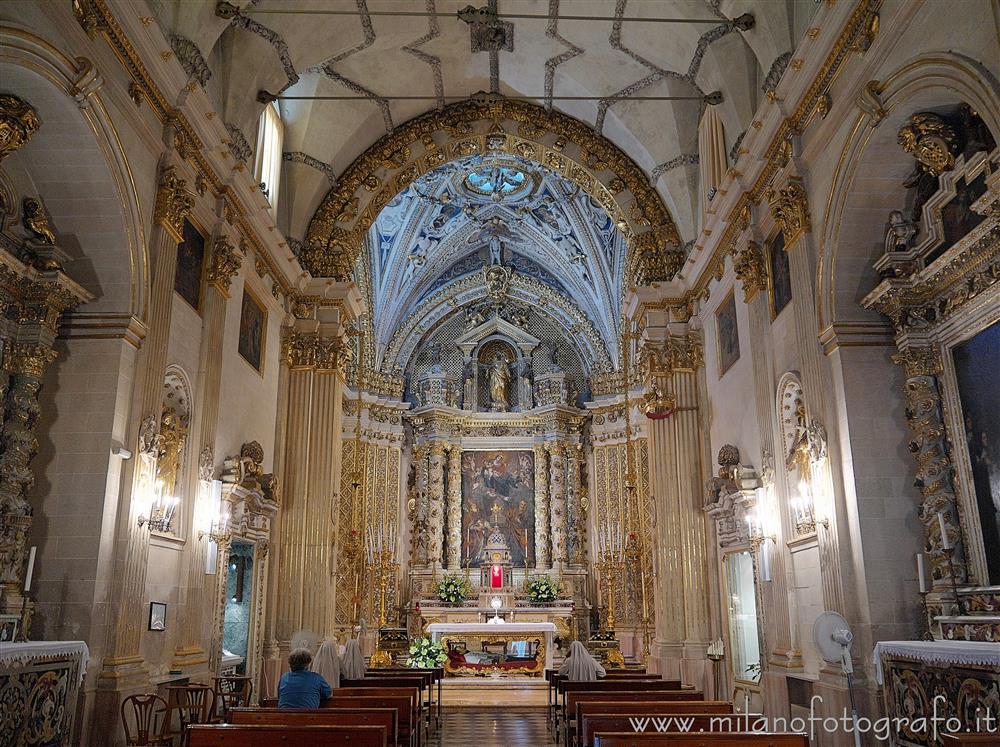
(267, 169)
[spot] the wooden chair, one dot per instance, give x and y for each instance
(194, 704)
(231, 692)
(144, 718)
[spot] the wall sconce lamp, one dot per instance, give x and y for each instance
(219, 530)
(760, 543)
(161, 511)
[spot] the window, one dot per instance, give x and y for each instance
(270, 132)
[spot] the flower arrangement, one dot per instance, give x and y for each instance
(542, 589)
(453, 589)
(425, 654)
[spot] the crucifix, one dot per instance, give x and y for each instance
(496, 513)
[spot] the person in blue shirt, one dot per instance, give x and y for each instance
(301, 688)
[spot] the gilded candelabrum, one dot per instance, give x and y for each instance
(611, 567)
(385, 568)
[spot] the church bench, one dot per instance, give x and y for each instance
(564, 687)
(572, 697)
(405, 703)
(717, 739)
(387, 717)
(390, 677)
(418, 682)
(686, 719)
(970, 740)
(230, 735)
(437, 677)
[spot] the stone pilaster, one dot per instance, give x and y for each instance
(224, 262)
(454, 507)
(314, 353)
(576, 527)
(541, 507)
(557, 501)
(435, 503)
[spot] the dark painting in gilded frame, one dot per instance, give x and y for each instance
(977, 361)
(190, 265)
(502, 479)
(727, 333)
(253, 320)
(779, 275)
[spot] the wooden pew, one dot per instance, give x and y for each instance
(405, 701)
(971, 740)
(573, 696)
(685, 720)
(387, 717)
(230, 735)
(437, 677)
(565, 687)
(416, 683)
(424, 678)
(554, 679)
(720, 739)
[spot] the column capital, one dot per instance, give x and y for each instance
(751, 269)
(789, 207)
(313, 350)
(223, 264)
(173, 202)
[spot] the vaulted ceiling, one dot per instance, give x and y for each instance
(237, 50)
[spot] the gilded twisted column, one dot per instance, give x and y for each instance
(454, 507)
(541, 507)
(173, 203)
(557, 500)
(418, 536)
(576, 540)
(223, 264)
(435, 503)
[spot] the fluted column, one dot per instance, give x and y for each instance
(454, 507)
(173, 203)
(315, 353)
(541, 507)
(557, 501)
(224, 262)
(435, 503)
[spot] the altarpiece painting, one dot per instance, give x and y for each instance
(980, 398)
(498, 491)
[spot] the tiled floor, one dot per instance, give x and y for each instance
(493, 727)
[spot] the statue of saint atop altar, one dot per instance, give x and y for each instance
(499, 380)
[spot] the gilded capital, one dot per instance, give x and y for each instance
(790, 208)
(301, 350)
(676, 354)
(223, 265)
(30, 359)
(918, 361)
(173, 202)
(18, 122)
(751, 270)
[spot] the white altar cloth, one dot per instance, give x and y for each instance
(17, 655)
(976, 653)
(546, 628)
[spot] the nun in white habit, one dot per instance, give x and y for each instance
(580, 666)
(352, 666)
(326, 663)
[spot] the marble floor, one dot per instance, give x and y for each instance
(492, 727)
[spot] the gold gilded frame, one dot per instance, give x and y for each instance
(494, 638)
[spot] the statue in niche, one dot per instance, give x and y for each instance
(800, 454)
(170, 449)
(499, 379)
(469, 394)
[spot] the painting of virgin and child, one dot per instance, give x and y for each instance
(498, 489)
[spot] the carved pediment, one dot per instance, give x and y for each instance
(497, 326)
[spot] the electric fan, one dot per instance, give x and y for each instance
(833, 637)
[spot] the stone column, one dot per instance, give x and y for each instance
(418, 530)
(224, 262)
(435, 503)
(557, 501)
(122, 656)
(576, 538)
(454, 507)
(315, 352)
(541, 507)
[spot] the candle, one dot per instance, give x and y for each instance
(945, 541)
(765, 561)
(31, 570)
(922, 572)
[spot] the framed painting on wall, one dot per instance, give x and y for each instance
(727, 334)
(779, 276)
(253, 328)
(190, 265)
(158, 616)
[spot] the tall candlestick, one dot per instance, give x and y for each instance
(945, 540)
(31, 569)
(922, 573)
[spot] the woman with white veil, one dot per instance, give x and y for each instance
(327, 664)
(580, 666)
(352, 666)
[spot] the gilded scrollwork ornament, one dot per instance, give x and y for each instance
(36, 219)
(224, 264)
(18, 123)
(930, 140)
